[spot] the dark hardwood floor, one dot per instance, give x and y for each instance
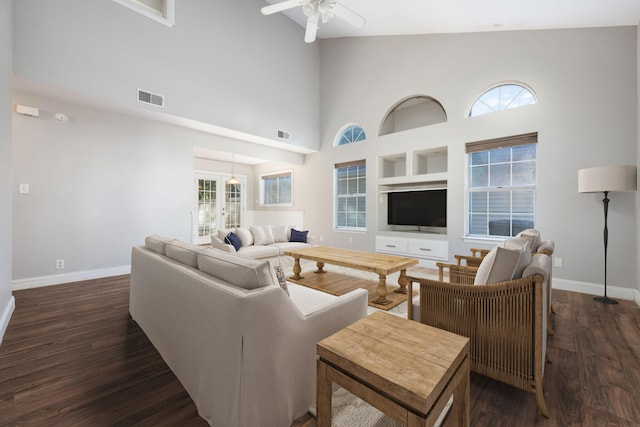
(72, 356)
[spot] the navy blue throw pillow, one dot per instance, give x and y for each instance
(298, 236)
(233, 240)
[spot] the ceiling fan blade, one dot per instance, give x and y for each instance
(348, 15)
(279, 7)
(312, 29)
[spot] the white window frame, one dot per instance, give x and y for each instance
(336, 196)
(513, 141)
(261, 181)
(167, 16)
(498, 86)
(343, 129)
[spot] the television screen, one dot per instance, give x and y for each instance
(426, 208)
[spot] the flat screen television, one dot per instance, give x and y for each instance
(423, 208)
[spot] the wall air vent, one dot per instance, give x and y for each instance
(283, 134)
(150, 98)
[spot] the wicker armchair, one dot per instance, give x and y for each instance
(506, 323)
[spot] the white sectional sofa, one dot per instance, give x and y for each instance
(262, 242)
(243, 349)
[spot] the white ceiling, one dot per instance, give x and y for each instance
(393, 17)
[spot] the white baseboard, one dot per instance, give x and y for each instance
(78, 276)
(6, 316)
(596, 289)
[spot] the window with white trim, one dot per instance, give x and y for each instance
(350, 184)
(502, 97)
(501, 186)
(352, 133)
(276, 188)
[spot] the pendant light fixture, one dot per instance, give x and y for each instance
(233, 180)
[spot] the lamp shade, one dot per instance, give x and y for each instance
(607, 178)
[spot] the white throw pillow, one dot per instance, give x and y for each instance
(262, 235)
(245, 236)
(223, 232)
(499, 265)
(280, 233)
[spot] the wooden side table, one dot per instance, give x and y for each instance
(414, 373)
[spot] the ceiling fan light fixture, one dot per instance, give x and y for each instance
(310, 9)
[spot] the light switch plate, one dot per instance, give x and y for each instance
(24, 188)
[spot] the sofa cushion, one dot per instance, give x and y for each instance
(233, 240)
(280, 233)
(285, 246)
(245, 236)
(262, 235)
(258, 252)
(223, 232)
(242, 272)
(157, 243)
(498, 265)
(547, 247)
(282, 280)
(182, 252)
(298, 236)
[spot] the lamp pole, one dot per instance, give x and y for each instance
(605, 299)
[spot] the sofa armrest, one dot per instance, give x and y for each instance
(217, 243)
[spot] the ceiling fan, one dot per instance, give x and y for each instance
(316, 10)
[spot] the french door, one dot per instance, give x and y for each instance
(218, 205)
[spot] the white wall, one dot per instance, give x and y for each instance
(586, 116)
(638, 163)
(6, 60)
(99, 184)
(224, 63)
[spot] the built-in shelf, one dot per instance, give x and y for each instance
(426, 165)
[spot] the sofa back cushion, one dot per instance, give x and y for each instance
(182, 252)
(157, 243)
(245, 236)
(499, 265)
(262, 235)
(242, 272)
(281, 233)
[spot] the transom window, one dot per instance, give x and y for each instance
(501, 186)
(350, 195)
(351, 134)
(502, 97)
(276, 188)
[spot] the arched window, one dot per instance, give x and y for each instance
(350, 134)
(502, 97)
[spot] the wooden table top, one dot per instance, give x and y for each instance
(368, 261)
(404, 359)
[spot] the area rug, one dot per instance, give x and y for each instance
(348, 410)
(340, 280)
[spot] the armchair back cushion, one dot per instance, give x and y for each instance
(499, 265)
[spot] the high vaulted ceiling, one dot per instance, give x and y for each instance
(393, 17)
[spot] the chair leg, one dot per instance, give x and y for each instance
(542, 405)
(550, 330)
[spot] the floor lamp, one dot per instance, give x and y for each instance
(607, 179)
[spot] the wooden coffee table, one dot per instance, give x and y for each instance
(367, 261)
(416, 374)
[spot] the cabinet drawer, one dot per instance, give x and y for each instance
(391, 244)
(435, 249)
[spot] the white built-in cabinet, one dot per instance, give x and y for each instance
(428, 251)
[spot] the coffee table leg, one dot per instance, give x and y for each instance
(323, 396)
(297, 269)
(381, 290)
(320, 266)
(402, 281)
